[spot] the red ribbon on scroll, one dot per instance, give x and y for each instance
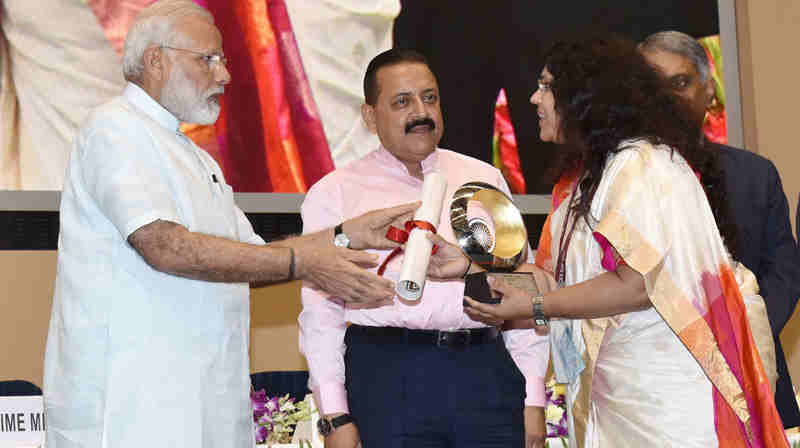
(401, 236)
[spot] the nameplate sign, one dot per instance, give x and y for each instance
(22, 421)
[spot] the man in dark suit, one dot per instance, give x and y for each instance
(756, 201)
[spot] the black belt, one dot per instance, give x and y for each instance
(439, 338)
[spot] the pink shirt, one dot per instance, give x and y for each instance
(376, 181)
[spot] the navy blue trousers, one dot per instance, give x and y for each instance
(419, 396)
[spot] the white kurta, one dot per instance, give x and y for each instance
(136, 357)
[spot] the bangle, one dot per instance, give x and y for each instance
(291, 264)
(468, 267)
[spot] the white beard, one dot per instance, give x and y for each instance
(181, 98)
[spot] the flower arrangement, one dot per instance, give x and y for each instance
(555, 411)
(276, 418)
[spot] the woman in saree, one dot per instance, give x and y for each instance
(647, 321)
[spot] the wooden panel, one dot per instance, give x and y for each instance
(27, 277)
(767, 34)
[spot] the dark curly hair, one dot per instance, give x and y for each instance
(605, 93)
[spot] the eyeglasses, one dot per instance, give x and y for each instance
(544, 86)
(212, 60)
(681, 82)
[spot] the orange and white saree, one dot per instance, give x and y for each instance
(685, 372)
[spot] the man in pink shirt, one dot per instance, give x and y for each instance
(419, 374)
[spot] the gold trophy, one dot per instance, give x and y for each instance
(490, 230)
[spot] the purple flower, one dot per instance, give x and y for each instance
(276, 417)
(558, 429)
(265, 420)
(261, 434)
(258, 398)
(555, 410)
(257, 414)
(272, 405)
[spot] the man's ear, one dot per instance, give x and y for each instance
(710, 90)
(153, 60)
(368, 115)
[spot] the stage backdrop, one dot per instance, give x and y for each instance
(292, 111)
(61, 58)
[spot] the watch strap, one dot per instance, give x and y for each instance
(327, 426)
(538, 314)
(342, 420)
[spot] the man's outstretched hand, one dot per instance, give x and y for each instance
(368, 231)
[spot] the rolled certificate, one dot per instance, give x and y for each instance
(418, 247)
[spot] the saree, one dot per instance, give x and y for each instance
(686, 371)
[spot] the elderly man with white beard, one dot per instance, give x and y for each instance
(148, 337)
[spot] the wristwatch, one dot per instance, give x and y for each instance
(340, 239)
(538, 315)
(327, 426)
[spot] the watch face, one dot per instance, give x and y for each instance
(341, 240)
(324, 427)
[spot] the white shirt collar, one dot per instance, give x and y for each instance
(144, 102)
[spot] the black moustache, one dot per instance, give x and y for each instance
(422, 121)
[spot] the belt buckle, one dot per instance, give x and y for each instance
(454, 338)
